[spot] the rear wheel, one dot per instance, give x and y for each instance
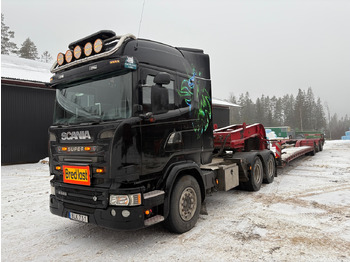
(256, 176)
(270, 170)
(185, 203)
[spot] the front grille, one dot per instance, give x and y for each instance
(93, 198)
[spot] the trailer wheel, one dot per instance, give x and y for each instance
(256, 176)
(270, 170)
(185, 205)
(313, 152)
(320, 146)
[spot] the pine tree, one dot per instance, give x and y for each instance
(7, 46)
(259, 112)
(28, 50)
(319, 116)
(299, 110)
(277, 111)
(46, 57)
(309, 110)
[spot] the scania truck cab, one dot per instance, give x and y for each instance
(132, 126)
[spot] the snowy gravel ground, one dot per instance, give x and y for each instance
(303, 216)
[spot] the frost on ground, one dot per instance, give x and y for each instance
(303, 216)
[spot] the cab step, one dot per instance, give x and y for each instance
(154, 220)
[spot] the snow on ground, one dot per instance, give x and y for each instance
(303, 216)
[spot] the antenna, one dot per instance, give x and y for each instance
(143, 7)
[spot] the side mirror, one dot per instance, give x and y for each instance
(162, 78)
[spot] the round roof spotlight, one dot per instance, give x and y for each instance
(88, 49)
(77, 52)
(60, 59)
(69, 56)
(98, 46)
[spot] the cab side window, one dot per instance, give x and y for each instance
(146, 94)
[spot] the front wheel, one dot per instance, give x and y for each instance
(185, 203)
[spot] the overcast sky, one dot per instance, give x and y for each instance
(270, 47)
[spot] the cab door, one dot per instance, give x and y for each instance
(156, 125)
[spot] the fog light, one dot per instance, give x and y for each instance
(113, 212)
(69, 56)
(88, 49)
(60, 59)
(77, 52)
(98, 46)
(125, 213)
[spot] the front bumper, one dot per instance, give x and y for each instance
(103, 217)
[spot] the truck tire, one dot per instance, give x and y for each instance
(320, 146)
(256, 176)
(185, 203)
(270, 170)
(313, 152)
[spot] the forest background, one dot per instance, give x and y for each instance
(302, 112)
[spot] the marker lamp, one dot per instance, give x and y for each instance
(125, 200)
(88, 49)
(69, 56)
(77, 52)
(60, 59)
(98, 46)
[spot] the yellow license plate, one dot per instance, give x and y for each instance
(79, 175)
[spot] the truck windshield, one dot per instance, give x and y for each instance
(94, 101)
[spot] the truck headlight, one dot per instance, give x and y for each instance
(125, 200)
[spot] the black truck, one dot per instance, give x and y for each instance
(132, 141)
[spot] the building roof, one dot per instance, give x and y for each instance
(13, 67)
(222, 103)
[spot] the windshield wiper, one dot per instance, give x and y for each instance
(78, 120)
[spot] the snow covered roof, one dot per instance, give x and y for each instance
(24, 69)
(219, 102)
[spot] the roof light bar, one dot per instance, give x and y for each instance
(97, 48)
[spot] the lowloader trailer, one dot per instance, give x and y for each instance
(287, 150)
(132, 142)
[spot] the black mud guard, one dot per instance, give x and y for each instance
(173, 173)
